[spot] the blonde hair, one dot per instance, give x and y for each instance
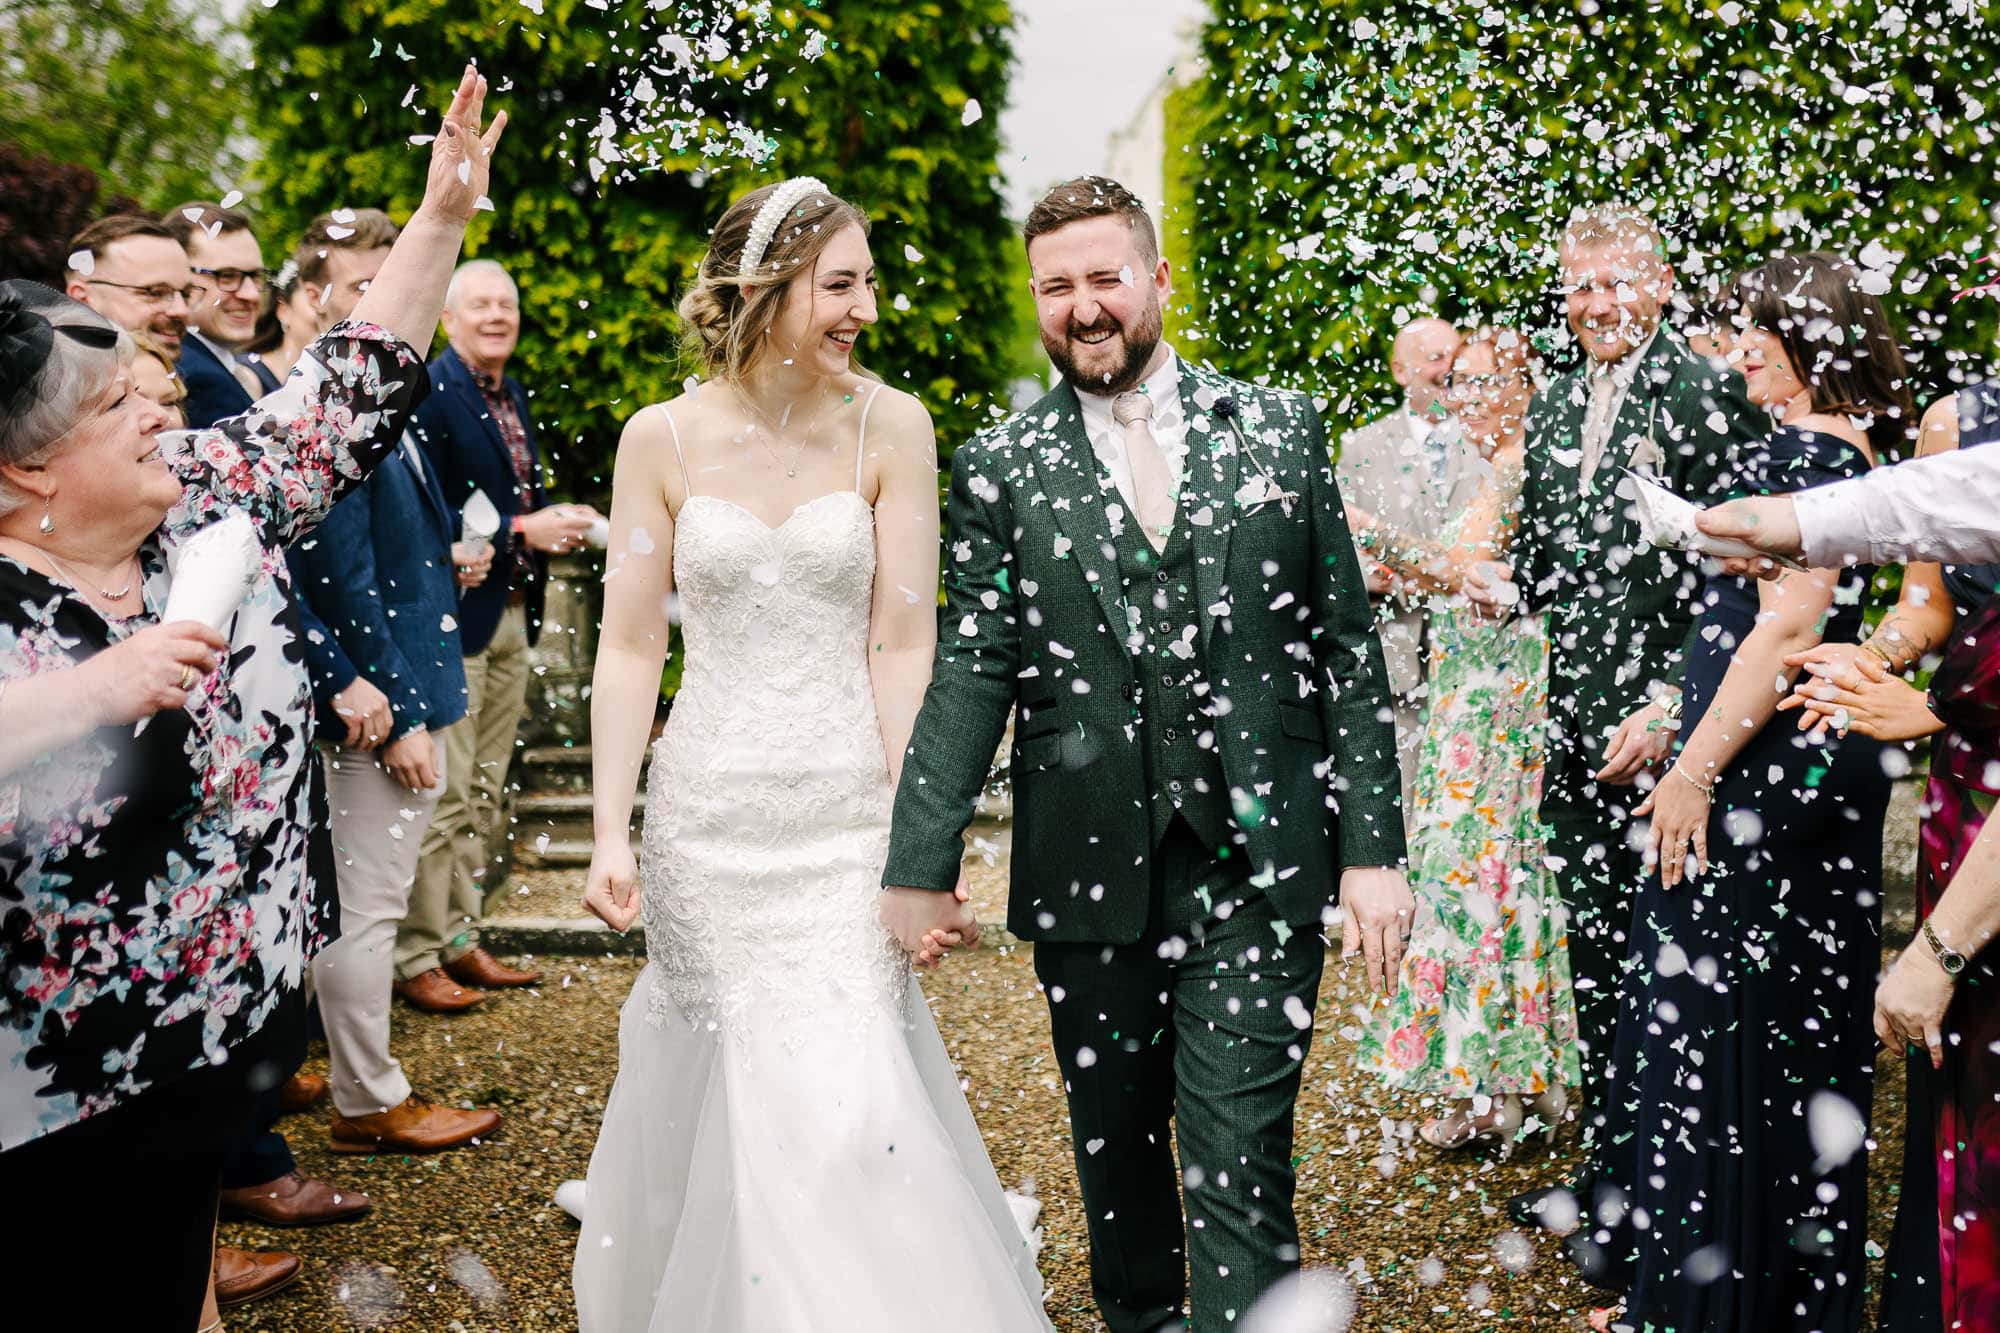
(726, 314)
(1603, 224)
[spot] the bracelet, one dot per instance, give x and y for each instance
(1707, 789)
(1870, 646)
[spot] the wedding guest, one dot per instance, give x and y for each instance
(125, 1070)
(1410, 470)
(155, 375)
(378, 575)
(478, 434)
(1618, 627)
(1752, 949)
(228, 280)
(287, 325)
(131, 270)
(1484, 1020)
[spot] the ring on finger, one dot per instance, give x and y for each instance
(188, 677)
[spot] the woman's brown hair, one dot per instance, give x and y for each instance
(726, 314)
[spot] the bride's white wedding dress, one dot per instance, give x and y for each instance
(786, 1146)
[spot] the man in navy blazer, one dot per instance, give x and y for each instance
(381, 575)
(228, 273)
(478, 435)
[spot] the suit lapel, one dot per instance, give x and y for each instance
(1076, 488)
(1208, 491)
(475, 402)
(427, 486)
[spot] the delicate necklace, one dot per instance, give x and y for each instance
(108, 594)
(773, 429)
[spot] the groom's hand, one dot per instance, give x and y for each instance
(922, 920)
(1377, 912)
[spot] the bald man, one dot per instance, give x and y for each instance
(1410, 469)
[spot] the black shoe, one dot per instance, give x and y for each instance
(1553, 1208)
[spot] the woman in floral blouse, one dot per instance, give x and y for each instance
(156, 913)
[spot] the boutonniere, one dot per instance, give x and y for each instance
(1262, 488)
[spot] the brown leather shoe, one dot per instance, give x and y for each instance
(293, 1200)
(476, 967)
(415, 1126)
(242, 1276)
(435, 993)
(300, 1091)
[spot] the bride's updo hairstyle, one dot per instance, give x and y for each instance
(727, 313)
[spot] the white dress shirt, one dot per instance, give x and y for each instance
(1943, 509)
(1169, 425)
(1598, 431)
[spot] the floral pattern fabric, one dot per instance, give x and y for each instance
(155, 902)
(1485, 1006)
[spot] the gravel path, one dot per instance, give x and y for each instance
(470, 1240)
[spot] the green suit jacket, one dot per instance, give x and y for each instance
(1619, 611)
(1035, 622)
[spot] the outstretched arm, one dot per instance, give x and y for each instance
(631, 650)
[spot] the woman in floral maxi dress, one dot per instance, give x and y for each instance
(1484, 1019)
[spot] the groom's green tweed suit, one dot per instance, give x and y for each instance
(1620, 615)
(1203, 741)
(1036, 619)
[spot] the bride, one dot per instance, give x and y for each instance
(786, 1136)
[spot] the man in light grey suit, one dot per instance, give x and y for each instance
(1411, 470)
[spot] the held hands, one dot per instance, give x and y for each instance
(365, 709)
(471, 562)
(611, 892)
(412, 759)
(1911, 1001)
(1850, 689)
(929, 924)
(1640, 745)
(150, 672)
(557, 528)
(460, 154)
(1377, 913)
(1489, 586)
(1768, 522)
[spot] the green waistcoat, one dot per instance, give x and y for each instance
(1170, 690)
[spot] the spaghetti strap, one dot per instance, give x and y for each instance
(861, 440)
(675, 433)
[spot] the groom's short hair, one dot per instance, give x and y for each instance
(1092, 197)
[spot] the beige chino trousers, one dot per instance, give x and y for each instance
(446, 906)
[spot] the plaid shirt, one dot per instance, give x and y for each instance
(501, 404)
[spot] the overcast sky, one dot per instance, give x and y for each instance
(1083, 67)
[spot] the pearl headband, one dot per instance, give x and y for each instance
(771, 216)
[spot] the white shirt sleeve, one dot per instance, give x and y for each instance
(1945, 508)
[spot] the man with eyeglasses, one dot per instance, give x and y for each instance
(227, 274)
(131, 269)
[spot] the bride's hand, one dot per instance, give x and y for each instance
(612, 890)
(938, 943)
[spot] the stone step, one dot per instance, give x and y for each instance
(543, 851)
(557, 807)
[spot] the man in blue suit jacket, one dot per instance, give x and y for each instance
(382, 576)
(478, 435)
(228, 271)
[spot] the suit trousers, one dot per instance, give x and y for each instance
(1603, 865)
(448, 901)
(1196, 1034)
(378, 831)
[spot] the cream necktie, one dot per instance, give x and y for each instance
(1597, 423)
(1152, 493)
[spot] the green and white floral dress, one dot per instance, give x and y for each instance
(1485, 1006)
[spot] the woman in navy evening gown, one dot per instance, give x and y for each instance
(1731, 1192)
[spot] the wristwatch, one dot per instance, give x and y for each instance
(1952, 961)
(1670, 704)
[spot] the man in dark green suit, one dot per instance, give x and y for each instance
(1619, 612)
(1150, 570)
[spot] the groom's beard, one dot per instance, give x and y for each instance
(1129, 350)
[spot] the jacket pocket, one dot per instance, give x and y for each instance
(1302, 722)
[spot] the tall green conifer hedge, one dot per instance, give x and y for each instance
(1356, 162)
(875, 104)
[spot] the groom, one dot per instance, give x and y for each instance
(1150, 569)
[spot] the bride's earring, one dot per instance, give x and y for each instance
(48, 523)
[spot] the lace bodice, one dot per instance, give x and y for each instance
(768, 805)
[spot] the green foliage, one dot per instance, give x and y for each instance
(1365, 160)
(143, 92)
(878, 116)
